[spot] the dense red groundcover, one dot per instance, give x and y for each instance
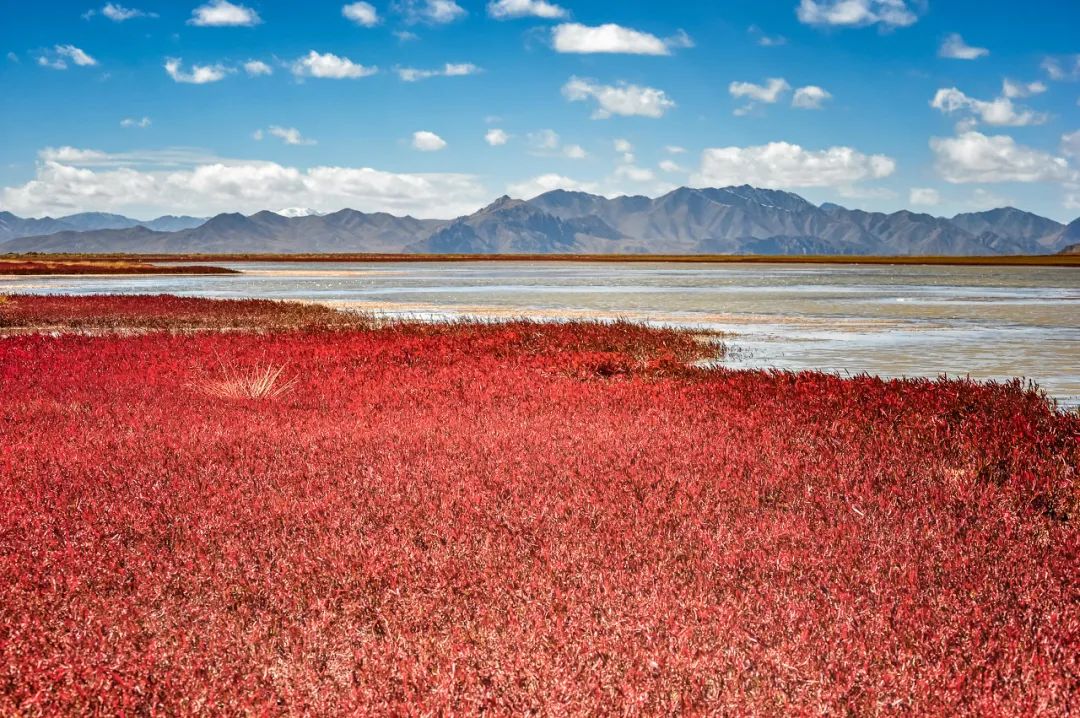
(521, 518)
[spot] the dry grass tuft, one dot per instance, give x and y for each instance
(258, 384)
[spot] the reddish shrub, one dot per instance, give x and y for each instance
(520, 519)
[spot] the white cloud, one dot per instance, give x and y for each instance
(1070, 144)
(623, 145)
(810, 97)
(675, 150)
(361, 13)
(974, 157)
(199, 74)
(288, 135)
(438, 12)
(621, 99)
(924, 196)
(12, 57)
(782, 164)
(461, 69)
(330, 66)
(119, 13)
(545, 183)
(427, 141)
(506, 9)
(576, 38)
(634, 173)
(769, 92)
(62, 53)
(544, 140)
(142, 123)
(671, 166)
(496, 137)
(405, 36)
(954, 48)
(254, 68)
(985, 199)
(1021, 89)
(76, 55)
(222, 13)
(766, 40)
(856, 13)
(1000, 111)
(1062, 69)
(52, 63)
(574, 152)
(64, 186)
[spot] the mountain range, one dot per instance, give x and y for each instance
(12, 227)
(728, 220)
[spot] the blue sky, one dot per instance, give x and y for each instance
(435, 107)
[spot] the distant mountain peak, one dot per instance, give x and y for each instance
(293, 212)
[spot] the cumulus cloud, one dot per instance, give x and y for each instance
(255, 68)
(461, 69)
(198, 75)
(767, 93)
(671, 166)
(288, 135)
(222, 13)
(574, 152)
(507, 9)
(176, 181)
(432, 12)
(1000, 111)
(621, 99)
(784, 165)
(572, 37)
(924, 196)
(361, 13)
(496, 137)
(973, 157)
(810, 97)
(141, 123)
(330, 66)
(623, 145)
(1021, 89)
(427, 141)
(856, 13)
(675, 150)
(954, 48)
(770, 92)
(119, 13)
(546, 183)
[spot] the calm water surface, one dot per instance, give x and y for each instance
(986, 322)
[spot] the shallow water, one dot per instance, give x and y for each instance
(985, 322)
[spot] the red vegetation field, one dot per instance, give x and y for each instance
(552, 519)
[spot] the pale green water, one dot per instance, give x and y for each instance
(986, 322)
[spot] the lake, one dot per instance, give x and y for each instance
(983, 322)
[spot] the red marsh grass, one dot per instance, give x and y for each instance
(516, 519)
